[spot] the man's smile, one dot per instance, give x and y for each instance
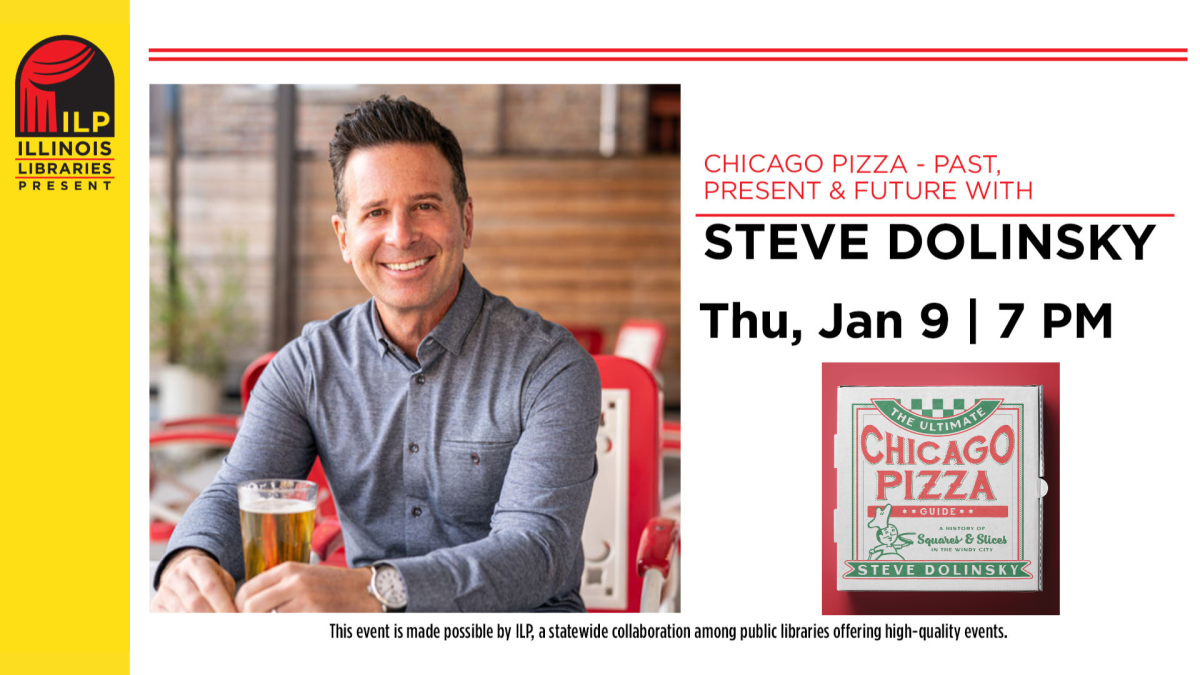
(404, 267)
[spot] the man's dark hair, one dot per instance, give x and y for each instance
(387, 120)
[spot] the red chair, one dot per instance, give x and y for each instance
(590, 338)
(327, 543)
(642, 340)
(672, 438)
(631, 553)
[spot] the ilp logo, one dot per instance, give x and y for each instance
(64, 88)
(64, 102)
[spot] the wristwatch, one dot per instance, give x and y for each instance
(388, 587)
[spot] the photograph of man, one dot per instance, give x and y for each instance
(457, 431)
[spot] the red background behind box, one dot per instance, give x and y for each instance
(834, 375)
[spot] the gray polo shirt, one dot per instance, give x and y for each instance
(469, 468)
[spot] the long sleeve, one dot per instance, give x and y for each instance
(533, 551)
(274, 441)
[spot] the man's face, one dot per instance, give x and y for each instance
(403, 232)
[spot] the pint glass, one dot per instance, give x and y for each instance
(277, 522)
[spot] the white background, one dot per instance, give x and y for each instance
(1094, 137)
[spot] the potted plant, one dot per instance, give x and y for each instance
(195, 321)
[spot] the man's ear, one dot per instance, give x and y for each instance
(339, 228)
(468, 222)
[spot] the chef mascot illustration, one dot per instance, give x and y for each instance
(890, 539)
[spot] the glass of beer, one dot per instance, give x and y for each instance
(277, 522)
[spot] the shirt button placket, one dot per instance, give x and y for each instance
(418, 465)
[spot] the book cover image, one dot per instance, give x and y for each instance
(939, 488)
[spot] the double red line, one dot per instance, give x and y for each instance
(666, 54)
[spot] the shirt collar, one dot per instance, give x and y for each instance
(452, 330)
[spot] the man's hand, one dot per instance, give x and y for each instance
(295, 587)
(194, 582)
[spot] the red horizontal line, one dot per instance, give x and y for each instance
(668, 58)
(935, 215)
(606, 50)
(66, 159)
(59, 177)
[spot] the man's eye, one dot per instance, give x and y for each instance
(425, 207)
(375, 214)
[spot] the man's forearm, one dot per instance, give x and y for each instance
(507, 571)
(212, 525)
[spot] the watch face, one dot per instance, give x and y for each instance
(389, 585)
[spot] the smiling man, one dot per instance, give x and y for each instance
(457, 431)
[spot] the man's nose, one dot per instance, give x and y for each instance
(401, 231)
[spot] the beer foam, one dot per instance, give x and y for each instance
(279, 506)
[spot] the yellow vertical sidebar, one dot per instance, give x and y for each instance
(65, 365)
